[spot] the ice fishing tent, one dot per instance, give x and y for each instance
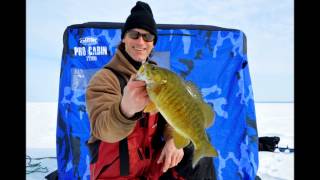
(214, 58)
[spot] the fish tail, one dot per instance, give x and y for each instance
(205, 151)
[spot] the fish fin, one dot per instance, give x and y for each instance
(209, 114)
(151, 108)
(205, 151)
(179, 140)
(193, 90)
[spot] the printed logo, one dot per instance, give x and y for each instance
(89, 40)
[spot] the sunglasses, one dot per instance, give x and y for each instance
(145, 36)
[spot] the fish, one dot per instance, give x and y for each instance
(182, 106)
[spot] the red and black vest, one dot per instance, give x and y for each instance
(135, 156)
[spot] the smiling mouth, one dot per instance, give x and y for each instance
(139, 49)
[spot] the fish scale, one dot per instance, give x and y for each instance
(172, 101)
(188, 109)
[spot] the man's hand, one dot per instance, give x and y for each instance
(170, 155)
(135, 97)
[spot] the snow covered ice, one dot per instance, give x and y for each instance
(273, 119)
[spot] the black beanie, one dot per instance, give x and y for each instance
(141, 17)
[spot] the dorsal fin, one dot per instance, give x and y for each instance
(207, 111)
(193, 90)
(209, 114)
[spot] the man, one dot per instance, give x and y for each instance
(123, 142)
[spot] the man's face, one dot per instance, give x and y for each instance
(139, 49)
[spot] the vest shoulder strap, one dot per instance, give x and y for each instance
(120, 77)
(123, 144)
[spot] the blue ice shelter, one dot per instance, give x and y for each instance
(213, 58)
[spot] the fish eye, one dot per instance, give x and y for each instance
(153, 68)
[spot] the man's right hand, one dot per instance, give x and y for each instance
(135, 97)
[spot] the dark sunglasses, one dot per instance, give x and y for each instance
(145, 36)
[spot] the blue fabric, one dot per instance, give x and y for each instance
(214, 60)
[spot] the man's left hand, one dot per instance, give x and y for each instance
(170, 155)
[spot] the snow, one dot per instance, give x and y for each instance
(273, 119)
(48, 162)
(276, 119)
(41, 136)
(41, 125)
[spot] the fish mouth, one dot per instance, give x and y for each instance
(141, 74)
(140, 77)
(143, 77)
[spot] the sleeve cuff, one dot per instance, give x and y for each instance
(135, 117)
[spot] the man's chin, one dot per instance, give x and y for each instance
(140, 58)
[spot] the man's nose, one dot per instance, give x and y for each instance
(140, 39)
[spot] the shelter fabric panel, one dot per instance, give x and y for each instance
(213, 58)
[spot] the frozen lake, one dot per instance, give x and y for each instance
(273, 119)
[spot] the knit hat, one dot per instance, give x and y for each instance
(141, 17)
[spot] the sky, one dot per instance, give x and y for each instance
(267, 24)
